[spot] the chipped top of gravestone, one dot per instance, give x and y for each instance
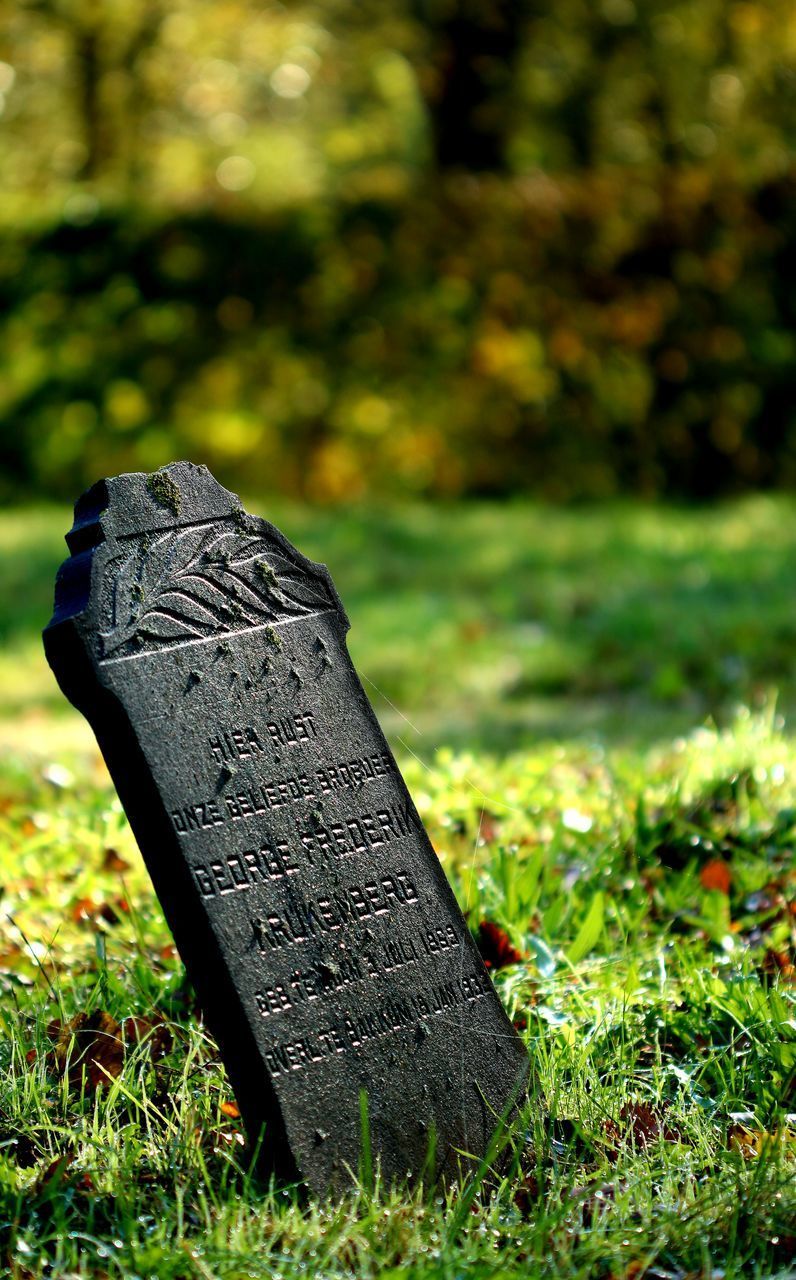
(138, 502)
(179, 559)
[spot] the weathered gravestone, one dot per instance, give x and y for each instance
(304, 896)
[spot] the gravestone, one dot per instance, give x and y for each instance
(324, 942)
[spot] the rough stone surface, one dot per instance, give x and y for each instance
(304, 896)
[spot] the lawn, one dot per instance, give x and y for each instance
(593, 711)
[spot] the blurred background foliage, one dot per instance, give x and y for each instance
(434, 247)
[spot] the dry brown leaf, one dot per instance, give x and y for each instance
(231, 1136)
(526, 1194)
(87, 911)
(634, 1271)
(496, 947)
(88, 1047)
(55, 1170)
(716, 875)
(113, 861)
(780, 964)
(640, 1124)
(472, 629)
(752, 1142)
(153, 1032)
(489, 827)
(11, 957)
(747, 1141)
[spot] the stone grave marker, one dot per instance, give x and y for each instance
(323, 940)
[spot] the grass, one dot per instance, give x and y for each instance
(494, 626)
(595, 793)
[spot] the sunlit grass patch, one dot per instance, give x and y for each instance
(658, 1009)
(494, 626)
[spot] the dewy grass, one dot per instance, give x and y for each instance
(646, 881)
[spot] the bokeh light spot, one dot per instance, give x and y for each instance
(290, 80)
(236, 173)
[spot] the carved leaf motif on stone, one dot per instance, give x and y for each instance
(190, 584)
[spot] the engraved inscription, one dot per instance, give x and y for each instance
(261, 797)
(289, 731)
(305, 986)
(345, 969)
(357, 835)
(273, 861)
(307, 918)
(242, 870)
(243, 742)
(236, 744)
(352, 773)
(354, 1030)
(268, 795)
(197, 817)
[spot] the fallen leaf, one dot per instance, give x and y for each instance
(113, 861)
(230, 1109)
(472, 629)
(593, 1201)
(645, 1125)
(229, 1138)
(634, 1271)
(55, 1170)
(780, 964)
(87, 911)
(748, 1142)
(152, 1032)
(526, 1194)
(639, 1124)
(11, 957)
(489, 827)
(716, 875)
(88, 1047)
(497, 949)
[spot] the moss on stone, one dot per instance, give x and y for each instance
(163, 490)
(267, 574)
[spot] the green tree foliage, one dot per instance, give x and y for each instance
(441, 246)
